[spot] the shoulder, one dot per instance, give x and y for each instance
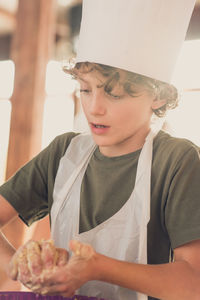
(61, 143)
(173, 148)
(63, 140)
(172, 155)
(48, 159)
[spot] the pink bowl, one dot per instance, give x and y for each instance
(32, 296)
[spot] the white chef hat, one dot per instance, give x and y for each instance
(141, 36)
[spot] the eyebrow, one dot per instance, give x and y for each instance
(98, 85)
(80, 78)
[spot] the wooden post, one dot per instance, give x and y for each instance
(32, 46)
(31, 49)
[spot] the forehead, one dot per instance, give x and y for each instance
(97, 77)
(93, 77)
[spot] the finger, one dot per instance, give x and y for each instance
(63, 257)
(75, 247)
(18, 267)
(57, 289)
(13, 267)
(34, 257)
(49, 254)
(84, 250)
(54, 277)
(24, 274)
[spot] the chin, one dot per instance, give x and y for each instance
(102, 141)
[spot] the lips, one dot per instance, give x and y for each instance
(99, 128)
(98, 125)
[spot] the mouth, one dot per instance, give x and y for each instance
(99, 125)
(99, 128)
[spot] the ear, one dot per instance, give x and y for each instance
(158, 103)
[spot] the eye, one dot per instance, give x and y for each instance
(85, 91)
(115, 96)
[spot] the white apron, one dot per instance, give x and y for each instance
(123, 236)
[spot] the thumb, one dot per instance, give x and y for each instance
(75, 247)
(12, 269)
(79, 249)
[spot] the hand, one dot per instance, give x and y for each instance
(67, 279)
(33, 260)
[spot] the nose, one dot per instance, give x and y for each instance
(97, 104)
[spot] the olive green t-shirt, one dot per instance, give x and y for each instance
(108, 183)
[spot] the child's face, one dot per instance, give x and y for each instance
(119, 123)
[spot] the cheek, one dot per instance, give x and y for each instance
(135, 113)
(84, 105)
(126, 112)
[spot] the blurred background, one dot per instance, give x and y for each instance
(38, 100)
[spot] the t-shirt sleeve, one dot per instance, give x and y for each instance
(182, 213)
(26, 191)
(30, 190)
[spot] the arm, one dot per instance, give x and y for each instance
(179, 280)
(172, 281)
(44, 260)
(7, 213)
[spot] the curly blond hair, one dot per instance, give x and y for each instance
(130, 81)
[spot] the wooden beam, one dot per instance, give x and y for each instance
(32, 47)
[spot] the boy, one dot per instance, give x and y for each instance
(127, 189)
